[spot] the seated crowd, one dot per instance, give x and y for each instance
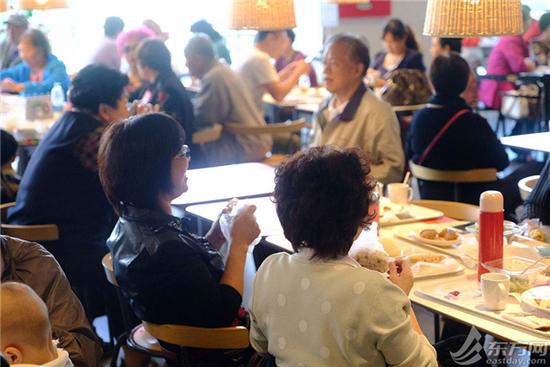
(108, 169)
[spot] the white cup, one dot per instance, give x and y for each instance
(399, 193)
(495, 288)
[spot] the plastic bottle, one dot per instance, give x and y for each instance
(491, 229)
(57, 97)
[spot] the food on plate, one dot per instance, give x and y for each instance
(373, 260)
(448, 235)
(386, 208)
(544, 303)
(428, 258)
(536, 234)
(443, 235)
(519, 284)
(430, 234)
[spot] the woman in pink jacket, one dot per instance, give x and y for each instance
(507, 57)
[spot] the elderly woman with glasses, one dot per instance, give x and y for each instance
(169, 275)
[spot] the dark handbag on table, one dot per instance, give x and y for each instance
(406, 87)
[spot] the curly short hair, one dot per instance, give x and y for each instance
(323, 197)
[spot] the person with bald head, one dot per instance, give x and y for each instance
(26, 332)
(223, 98)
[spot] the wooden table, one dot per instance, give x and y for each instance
(535, 142)
(243, 180)
(501, 330)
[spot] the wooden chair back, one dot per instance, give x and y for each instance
(35, 233)
(465, 176)
(272, 128)
(456, 178)
(107, 263)
(233, 337)
(208, 135)
(451, 209)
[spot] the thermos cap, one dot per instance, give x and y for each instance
(491, 201)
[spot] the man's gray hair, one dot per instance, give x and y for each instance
(359, 51)
(201, 45)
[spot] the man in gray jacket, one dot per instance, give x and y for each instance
(353, 116)
(222, 99)
(29, 263)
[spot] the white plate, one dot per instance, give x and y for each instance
(446, 266)
(529, 304)
(440, 243)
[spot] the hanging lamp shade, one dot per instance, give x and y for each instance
(42, 4)
(3, 6)
(263, 14)
(473, 18)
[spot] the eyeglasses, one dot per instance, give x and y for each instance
(184, 152)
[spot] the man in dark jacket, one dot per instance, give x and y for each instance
(29, 263)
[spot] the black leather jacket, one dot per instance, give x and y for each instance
(168, 274)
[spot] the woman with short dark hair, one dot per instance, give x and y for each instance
(170, 275)
(39, 70)
(165, 89)
(61, 184)
(467, 143)
(318, 306)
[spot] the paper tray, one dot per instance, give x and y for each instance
(470, 299)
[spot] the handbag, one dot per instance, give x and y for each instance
(519, 104)
(406, 87)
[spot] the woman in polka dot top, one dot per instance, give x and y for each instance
(318, 306)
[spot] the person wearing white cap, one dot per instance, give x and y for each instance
(17, 24)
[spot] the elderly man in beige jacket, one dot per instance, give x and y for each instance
(353, 116)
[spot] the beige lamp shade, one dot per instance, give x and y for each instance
(3, 6)
(263, 14)
(473, 18)
(42, 4)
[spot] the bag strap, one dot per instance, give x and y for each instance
(440, 133)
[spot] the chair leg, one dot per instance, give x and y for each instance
(437, 327)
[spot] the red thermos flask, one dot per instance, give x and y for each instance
(491, 229)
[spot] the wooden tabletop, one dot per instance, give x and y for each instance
(225, 182)
(536, 142)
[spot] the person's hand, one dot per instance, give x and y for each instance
(215, 236)
(11, 86)
(302, 66)
(401, 275)
(244, 229)
(138, 108)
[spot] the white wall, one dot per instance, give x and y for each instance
(411, 12)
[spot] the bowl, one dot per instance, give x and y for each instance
(510, 229)
(526, 185)
(514, 266)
